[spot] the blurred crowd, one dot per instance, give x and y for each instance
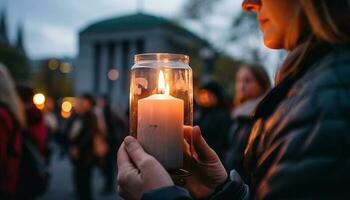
(93, 131)
(30, 133)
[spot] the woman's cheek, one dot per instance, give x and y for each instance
(272, 37)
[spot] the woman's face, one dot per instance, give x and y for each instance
(247, 87)
(275, 18)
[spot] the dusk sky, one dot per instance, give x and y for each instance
(51, 26)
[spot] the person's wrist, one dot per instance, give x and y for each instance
(223, 183)
(166, 193)
(160, 185)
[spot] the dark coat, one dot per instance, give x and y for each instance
(299, 147)
(84, 139)
(215, 124)
(237, 139)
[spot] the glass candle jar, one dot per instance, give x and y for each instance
(161, 103)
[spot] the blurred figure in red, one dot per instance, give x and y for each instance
(12, 120)
(34, 175)
(252, 83)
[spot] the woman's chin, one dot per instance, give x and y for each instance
(272, 44)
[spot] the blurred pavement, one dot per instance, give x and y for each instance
(61, 184)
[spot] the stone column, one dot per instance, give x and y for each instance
(103, 69)
(83, 71)
(117, 93)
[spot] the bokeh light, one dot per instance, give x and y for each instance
(66, 106)
(65, 68)
(113, 74)
(39, 100)
(53, 64)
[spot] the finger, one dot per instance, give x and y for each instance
(128, 175)
(201, 147)
(188, 133)
(186, 147)
(136, 153)
(123, 159)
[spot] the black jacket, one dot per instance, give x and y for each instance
(215, 124)
(83, 141)
(238, 136)
(299, 147)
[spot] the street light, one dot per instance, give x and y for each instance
(39, 100)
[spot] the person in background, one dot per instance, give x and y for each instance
(12, 121)
(113, 130)
(52, 124)
(80, 132)
(50, 117)
(252, 83)
(214, 117)
(33, 182)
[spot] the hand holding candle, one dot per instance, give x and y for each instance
(161, 104)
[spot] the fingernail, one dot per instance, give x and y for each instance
(196, 128)
(128, 140)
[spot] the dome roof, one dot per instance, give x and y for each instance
(135, 22)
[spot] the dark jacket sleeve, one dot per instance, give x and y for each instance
(89, 130)
(233, 189)
(167, 193)
(307, 155)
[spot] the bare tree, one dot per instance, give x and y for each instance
(242, 29)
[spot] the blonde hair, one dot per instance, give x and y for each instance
(317, 23)
(9, 96)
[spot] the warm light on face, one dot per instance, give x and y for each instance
(163, 88)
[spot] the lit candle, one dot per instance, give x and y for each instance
(160, 126)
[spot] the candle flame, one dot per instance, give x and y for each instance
(163, 88)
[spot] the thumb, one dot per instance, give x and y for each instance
(203, 150)
(136, 152)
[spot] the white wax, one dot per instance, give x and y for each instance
(160, 128)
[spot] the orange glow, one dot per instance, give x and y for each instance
(65, 114)
(205, 98)
(40, 106)
(163, 88)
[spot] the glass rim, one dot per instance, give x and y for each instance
(161, 58)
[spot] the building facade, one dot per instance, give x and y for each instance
(107, 49)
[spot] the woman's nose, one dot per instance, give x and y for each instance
(251, 5)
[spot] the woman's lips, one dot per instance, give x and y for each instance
(262, 23)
